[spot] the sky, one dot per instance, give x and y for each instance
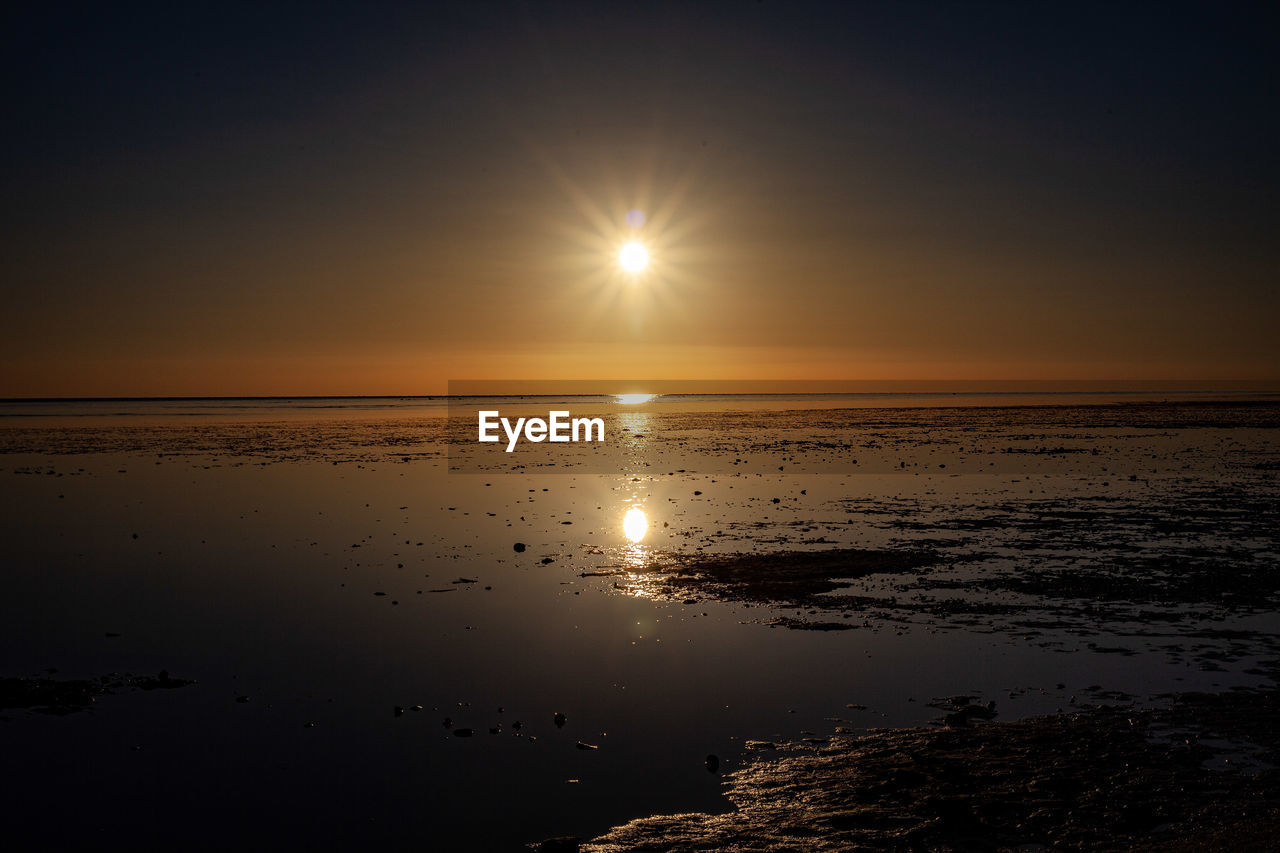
(278, 199)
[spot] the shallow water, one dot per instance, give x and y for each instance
(263, 542)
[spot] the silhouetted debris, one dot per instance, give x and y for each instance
(960, 710)
(163, 681)
(48, 695)
(66, 696)
(806, 625)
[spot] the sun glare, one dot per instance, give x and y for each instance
(635, 524)
(633, 258)
(633, 399)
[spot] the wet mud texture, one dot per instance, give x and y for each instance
(1198, 774)
(1175, 576)
(786, 579)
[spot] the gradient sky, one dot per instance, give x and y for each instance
(316, 199)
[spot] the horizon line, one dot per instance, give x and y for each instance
(1099, 386)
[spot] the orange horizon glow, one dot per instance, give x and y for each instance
(283, 376)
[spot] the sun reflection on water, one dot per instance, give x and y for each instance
(636, 559)
(635, 524)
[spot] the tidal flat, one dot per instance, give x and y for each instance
(891, 627)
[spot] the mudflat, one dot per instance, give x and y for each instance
(853, 627)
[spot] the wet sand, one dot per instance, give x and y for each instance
(815, 579)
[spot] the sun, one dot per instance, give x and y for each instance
(634, 257)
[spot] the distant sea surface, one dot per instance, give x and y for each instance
(916, 395)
